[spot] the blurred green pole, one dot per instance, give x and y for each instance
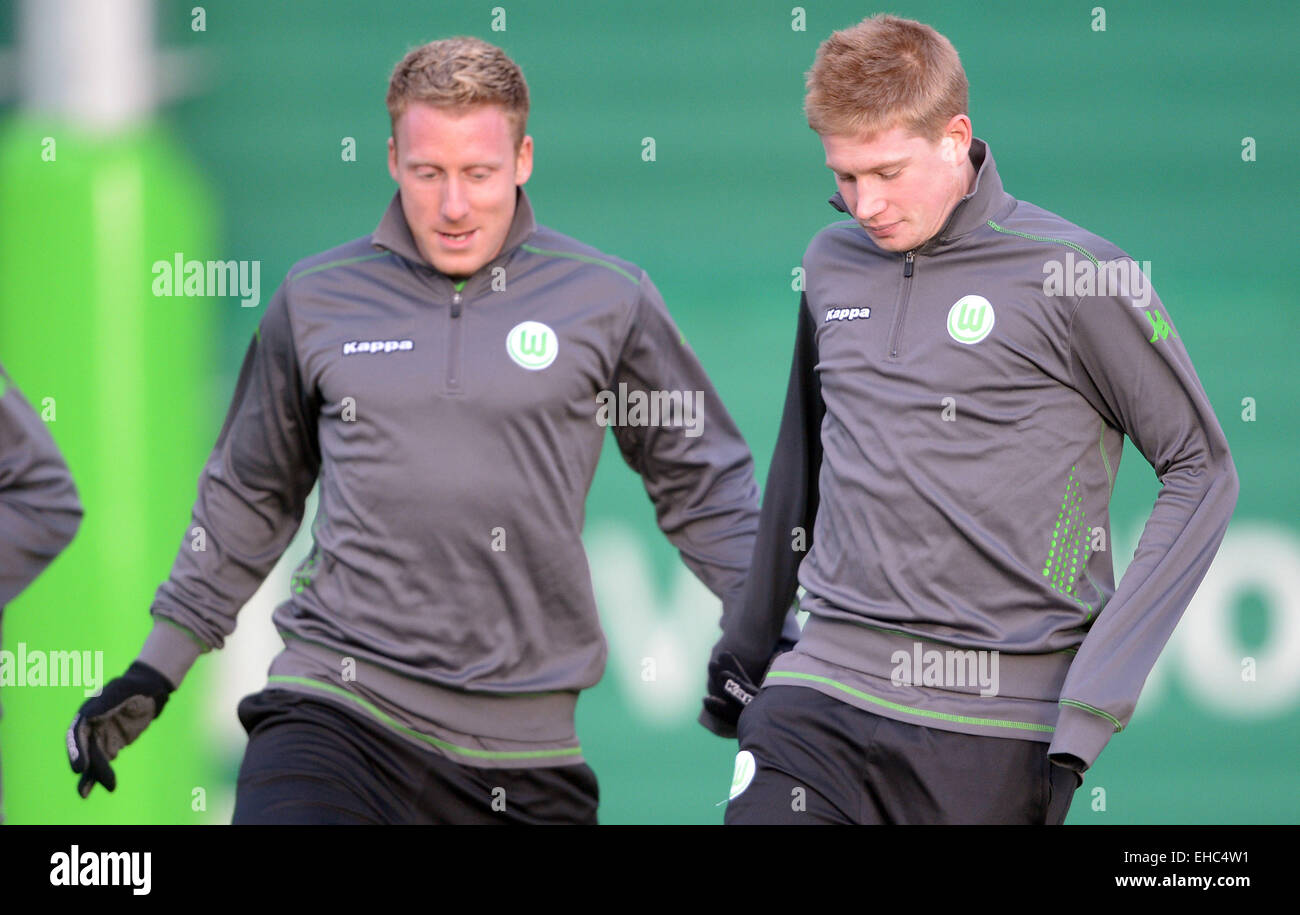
(92, 193)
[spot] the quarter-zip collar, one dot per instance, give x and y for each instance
(394, 233)
(986, 200)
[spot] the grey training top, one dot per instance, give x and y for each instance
(455, 433)
(951, 434)
(39, 508)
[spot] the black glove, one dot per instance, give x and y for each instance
(110, 721)
(731, 688)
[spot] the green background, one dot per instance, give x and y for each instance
(1134, 132)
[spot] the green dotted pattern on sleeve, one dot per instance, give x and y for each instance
(305, 572)
(1070, 536)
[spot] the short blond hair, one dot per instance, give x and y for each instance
(882, 73)
(459, 74)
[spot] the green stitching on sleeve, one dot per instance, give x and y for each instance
(1060, 241)
(584, 258)
(340, 263)
(1096, 711)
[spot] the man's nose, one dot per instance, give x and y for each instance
(455, 205)
(870, 205)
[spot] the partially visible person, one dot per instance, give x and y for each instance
(39, 508)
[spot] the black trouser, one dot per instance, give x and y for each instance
(819, 760)
(315, 763)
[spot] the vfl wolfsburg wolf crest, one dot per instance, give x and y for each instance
(970, 319)
(532, 345)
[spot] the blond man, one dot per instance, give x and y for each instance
(443, 378)
(966, 367)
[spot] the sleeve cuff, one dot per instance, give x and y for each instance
(1081, 733)
(171, 649)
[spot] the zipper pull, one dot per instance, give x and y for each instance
(455, 305)
(907, 264)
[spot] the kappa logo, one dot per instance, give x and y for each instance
(1159, 326)
(352, 347)
(734, 689)
(532, 345)
(835, 313)
(970, 319)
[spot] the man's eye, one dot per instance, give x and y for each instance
(892, 175)
(478, 176)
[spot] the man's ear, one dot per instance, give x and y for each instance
(955, 145)
(392, 158)
(524, 161)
